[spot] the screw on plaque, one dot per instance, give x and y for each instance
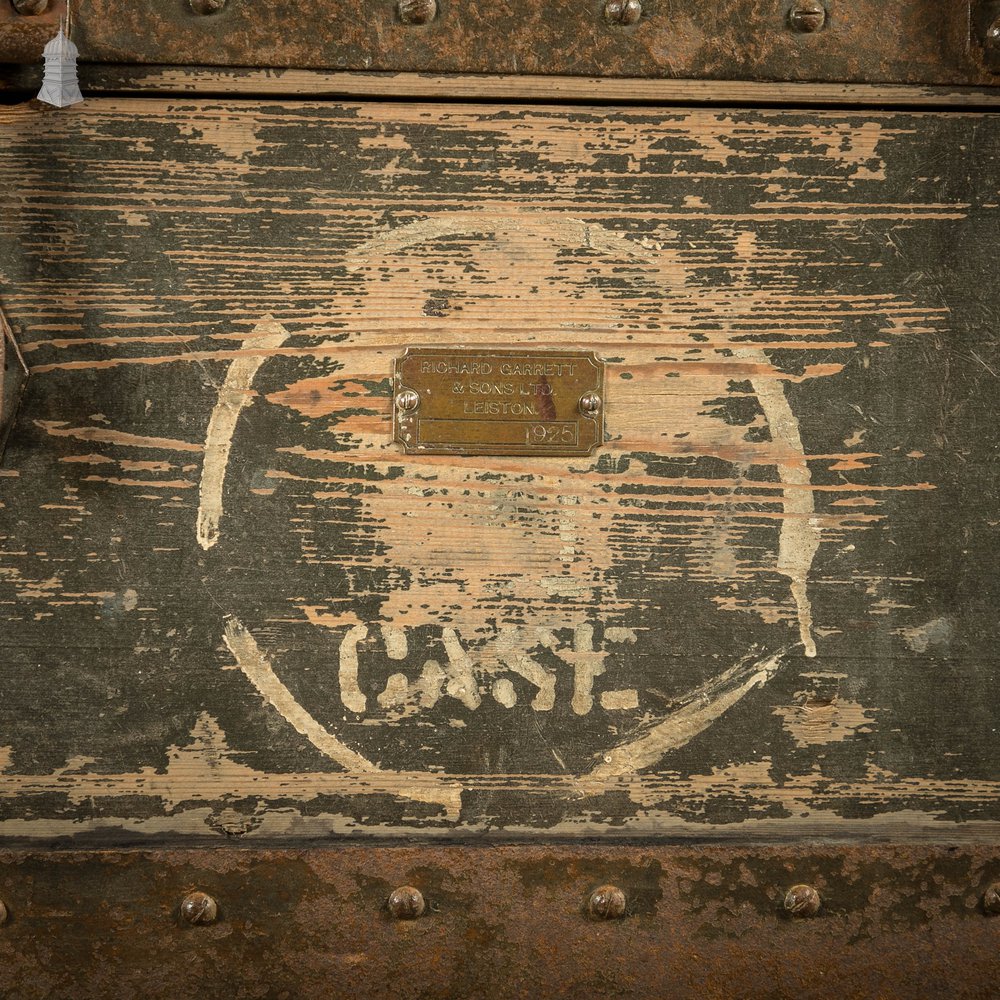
(407, 400)
(807, 16)
(4, 912)
(590, 403)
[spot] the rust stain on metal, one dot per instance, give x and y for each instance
(507, 921)
(23, 33)
(924, 41)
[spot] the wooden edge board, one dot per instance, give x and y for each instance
(317, 84)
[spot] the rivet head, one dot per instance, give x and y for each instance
(606, 903)
(590, 403)
(991, 898)
(623, 11)
(417, 11)
(406, 903)
(207, 6)
(991, 39)
(4, 912)
(30, 7)
(802, 901)
(807, 16)
(199, 908)
(407, 400)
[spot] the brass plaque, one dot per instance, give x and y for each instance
(472, 401)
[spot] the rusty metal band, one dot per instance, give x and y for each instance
(894, 922)
(920, 42)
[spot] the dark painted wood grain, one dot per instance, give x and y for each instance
(229, 605)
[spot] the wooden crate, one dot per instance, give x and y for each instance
(234, 612)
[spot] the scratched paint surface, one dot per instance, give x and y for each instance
(230, 605)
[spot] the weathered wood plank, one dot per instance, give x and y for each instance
(796, 312)
(313, 85)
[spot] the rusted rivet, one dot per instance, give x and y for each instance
(991, 898)
(623, 11)
(991, 38)
(802, 901)
(590, 403)
(406, 903)
(417, 11)
(207, 6)
(199, 908)
(606, 903)
(407, 400)
(807, 16)
(30, 7)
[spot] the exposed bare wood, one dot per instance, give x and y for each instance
(313, 84)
